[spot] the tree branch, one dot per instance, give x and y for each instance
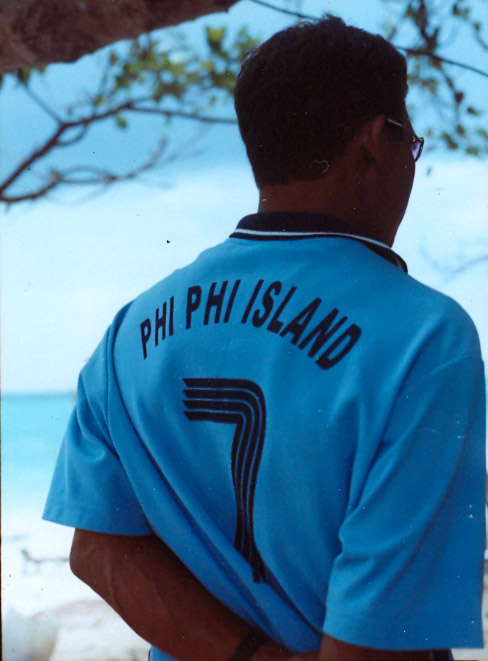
(84, 123)
(50, 143)
(282, 10)
(410, 51)
(99, 176)
(40, 102)
(134, 106)
(29, 196)
(71, 141)
(421, 52)
(453, 270)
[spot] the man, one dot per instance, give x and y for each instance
(296, 418)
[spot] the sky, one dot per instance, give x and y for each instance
(70, 262)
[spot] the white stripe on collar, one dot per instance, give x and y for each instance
(311, 232)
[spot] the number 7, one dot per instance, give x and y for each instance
(240, 402)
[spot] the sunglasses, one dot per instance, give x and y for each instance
(416, 145)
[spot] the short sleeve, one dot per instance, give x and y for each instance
(90, 488)
(409, 574)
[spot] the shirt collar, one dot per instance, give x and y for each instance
(289, 226)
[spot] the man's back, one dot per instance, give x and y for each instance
(300, 421)
(287, 422)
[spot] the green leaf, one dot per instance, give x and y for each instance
(175, 90)
(215, 36)
(177, 68)
(121, 121)
(121, 82)
(462, 13)
(430, 84)
(24, 74)
(158, 92)
(473, 111)
(448, 139)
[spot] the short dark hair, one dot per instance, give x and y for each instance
(300, 96)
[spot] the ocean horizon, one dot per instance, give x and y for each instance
(32, 427)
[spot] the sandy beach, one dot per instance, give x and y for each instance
(42, 599)
(40, 596)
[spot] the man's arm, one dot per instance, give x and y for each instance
(151, 589)
(158, 597)
(336, 650)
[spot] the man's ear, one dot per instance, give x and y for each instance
(371, 137)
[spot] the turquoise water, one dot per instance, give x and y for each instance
(32, 431)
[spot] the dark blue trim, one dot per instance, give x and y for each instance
(307, 226)
(288, 221)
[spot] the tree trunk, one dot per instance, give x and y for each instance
(34, 33)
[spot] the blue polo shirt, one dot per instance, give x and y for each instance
(303, 423)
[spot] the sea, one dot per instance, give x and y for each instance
(35, 574)
(42, 600)
(32, 429)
